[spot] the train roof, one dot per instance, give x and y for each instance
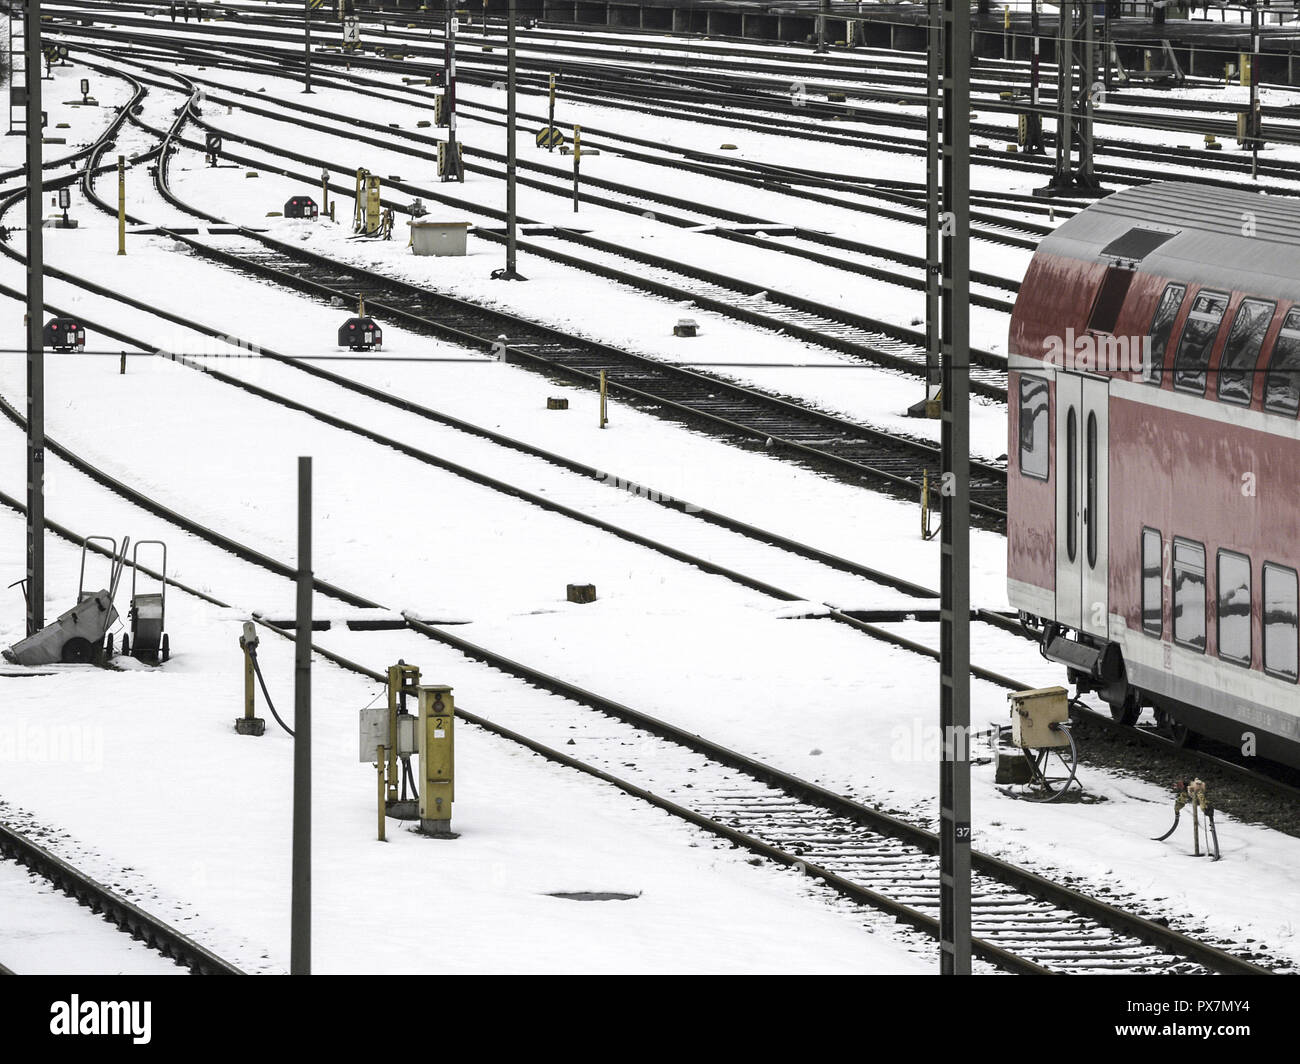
(1214, 236)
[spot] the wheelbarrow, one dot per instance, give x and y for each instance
(78, 634)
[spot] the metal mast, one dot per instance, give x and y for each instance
(954, 577)
(35, 321)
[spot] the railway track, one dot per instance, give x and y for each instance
(743, 413)
(112, 906)
(764, 536)
(1024, 922)
(828, 842)
(866, 339)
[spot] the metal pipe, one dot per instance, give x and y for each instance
(300, 918)
(35, 330)
(379, 775)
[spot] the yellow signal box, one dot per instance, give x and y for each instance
(437, 759)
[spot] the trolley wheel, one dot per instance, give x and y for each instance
(1053, 768)
(77, 651)
(126, 645)
(166, 652)
(1128, 711)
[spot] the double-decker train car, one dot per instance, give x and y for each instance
(1153, 486)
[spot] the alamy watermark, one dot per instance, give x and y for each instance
(641, 491)
(65, 744)
(1098, 354)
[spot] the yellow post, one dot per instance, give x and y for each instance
(250, 692)
(121, 204)
(361, 305)
(604, 401)
(925, 504)
(324, 192)
(123, 369)
(379, 775)
(394, 684)
(577, 156)
(550, 120)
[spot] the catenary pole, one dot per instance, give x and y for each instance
(300, 917)
(35, 324)
(954, 581)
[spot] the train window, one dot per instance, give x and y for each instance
(1233, 613)
(1090, 486)
(1033, 427)
(1110, 299)
(1282, 385)
(1189, 594)
(1153, 604)
(1071, 484)
(1192, 359)
(1161, 326)
(1241, 350)
(1281, 622)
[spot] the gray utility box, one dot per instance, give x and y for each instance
(438, 238)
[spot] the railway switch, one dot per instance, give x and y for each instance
(301, 207)
(367, 218)
(249, 723)
(437, 759)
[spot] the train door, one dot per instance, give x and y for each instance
(1082, 496)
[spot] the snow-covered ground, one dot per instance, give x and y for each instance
(198, 818)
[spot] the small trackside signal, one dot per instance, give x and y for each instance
(64, 334)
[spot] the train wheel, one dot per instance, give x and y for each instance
(166, 648)
(1128, 711)
(1180, 734)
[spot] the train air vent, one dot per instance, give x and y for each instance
(1136, 244)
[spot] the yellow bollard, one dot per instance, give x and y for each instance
(604, 401)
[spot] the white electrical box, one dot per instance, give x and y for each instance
(407, 735)
(374, 733)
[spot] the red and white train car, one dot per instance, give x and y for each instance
(1153, 527)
